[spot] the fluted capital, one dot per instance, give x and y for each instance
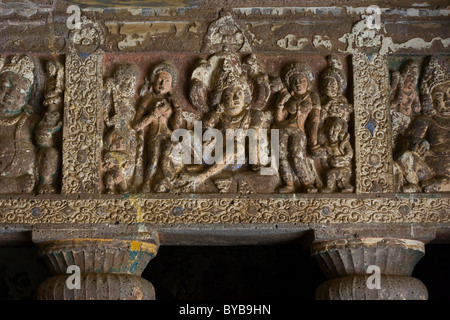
(99, 255)
(342, 257)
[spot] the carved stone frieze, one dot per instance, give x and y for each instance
(227, 210)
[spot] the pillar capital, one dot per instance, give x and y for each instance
(109, 269)
(349, 263)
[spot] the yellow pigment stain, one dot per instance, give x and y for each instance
(135, 202)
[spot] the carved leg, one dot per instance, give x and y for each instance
(109, 269)
(346, 263)
(332, 176)
(286, 172)
(154, 152)
(414, 170)
(48, 161)
(301, 163)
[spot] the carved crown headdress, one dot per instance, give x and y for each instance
(297, 68)
(335, 71)
(436, 72)
(23, 66)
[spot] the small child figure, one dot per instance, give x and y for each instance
(338, 153)
(116, 161)
(54, 86)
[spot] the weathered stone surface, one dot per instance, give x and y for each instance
(354, 287)
(347, 263)
(109, 269)
(98, 286)
(125, 121)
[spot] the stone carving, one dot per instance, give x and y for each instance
(82, 131)
(333, 84)
(228, 210)
(335, 149)
(226, 32)
(424, 161)
(297, 117)
(47, 138)
(82, 127)
(17, 152)
(159, 110)
(404, 98)
(88, 38)
(337, 152)
(120, 143)
(262, 85)
(373, 156)
(230, 109)
(54, 86)
(230, 95)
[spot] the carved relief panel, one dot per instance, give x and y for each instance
(31, 95)
(226, 120)
(420, 102)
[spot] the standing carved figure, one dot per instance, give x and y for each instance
(54, 86)
(261, 86)
(48, 157)
(297, 117)
(160, 110)
(425, 163)
(404, 98)
(17, 152)
(120, 145)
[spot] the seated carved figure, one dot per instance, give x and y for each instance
(338, 153)
(232, 113)
(17, 152)
(425, 163)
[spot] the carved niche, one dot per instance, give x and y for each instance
(246, 124)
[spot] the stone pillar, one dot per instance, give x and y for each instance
(346, 263)
(109, 269)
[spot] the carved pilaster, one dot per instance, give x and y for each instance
(372, 124)
(82, 135)
(109, 269)
(346, 263)
(373, 140)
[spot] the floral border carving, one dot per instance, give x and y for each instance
(372, 124)
(227, 210)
